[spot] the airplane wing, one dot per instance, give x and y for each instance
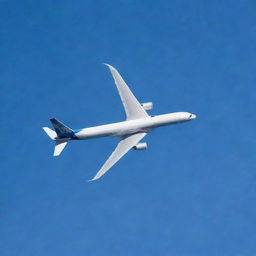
(133, 108)
(122, 148)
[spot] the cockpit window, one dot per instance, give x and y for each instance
(190, 115)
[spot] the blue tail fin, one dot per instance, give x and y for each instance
(62, 130)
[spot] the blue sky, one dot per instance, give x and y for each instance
(192, 192)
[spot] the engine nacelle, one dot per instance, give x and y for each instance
(141, 146)
(147, 105)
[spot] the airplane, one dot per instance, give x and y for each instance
(137, 125)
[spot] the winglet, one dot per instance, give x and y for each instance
(96, 177)
(107, 65)
(91, 180)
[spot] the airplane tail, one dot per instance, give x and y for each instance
(61, 129)
(59, 146)
(61, 135)
(52, 134)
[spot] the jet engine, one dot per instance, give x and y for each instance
(147, 105)
(141, 146)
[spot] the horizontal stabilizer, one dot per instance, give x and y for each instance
(52, 134)
(59, 146)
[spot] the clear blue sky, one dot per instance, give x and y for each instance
(192, 193)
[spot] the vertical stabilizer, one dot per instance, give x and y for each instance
(61, 129)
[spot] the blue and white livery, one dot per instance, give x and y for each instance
(131, 131)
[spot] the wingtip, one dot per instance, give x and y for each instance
(108, 65)
(91, 180)
(96, 177)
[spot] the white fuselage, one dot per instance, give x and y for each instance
(129, 127)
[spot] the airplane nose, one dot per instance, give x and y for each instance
(193, 116)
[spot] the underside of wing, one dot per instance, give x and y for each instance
(122, 148)
(133, 108)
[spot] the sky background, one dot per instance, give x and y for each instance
(193, 192)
